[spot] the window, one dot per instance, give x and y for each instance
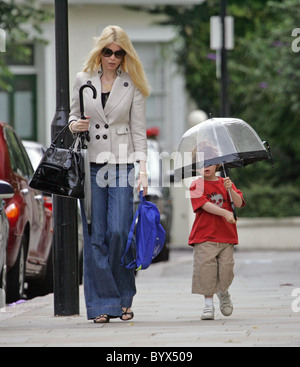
(154, 62)
(19, 160)
(18, 107)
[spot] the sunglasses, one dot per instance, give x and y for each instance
(107, 52)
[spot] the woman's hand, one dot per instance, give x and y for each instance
(80, 125)
(142, 183)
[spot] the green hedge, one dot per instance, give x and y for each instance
(268, 201)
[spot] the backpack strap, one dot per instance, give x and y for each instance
(142, 197)
(130, 238)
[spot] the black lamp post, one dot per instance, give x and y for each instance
(65, 236)
(224, 74)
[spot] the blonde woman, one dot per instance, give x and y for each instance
(117, 139)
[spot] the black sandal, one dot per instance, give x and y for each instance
(126, 313)
(105, 318)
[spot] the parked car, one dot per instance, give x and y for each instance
(157, 193)
(6, 192)
(35, 152)
(30, 222)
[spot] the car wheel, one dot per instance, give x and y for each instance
(45, 285)
(16, 276)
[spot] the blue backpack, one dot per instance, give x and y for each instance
(150, 235)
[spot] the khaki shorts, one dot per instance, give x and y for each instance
(213, 268)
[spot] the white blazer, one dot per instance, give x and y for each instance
(117, 132)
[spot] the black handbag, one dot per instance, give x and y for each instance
(61, 171)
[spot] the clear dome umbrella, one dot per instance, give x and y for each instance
(228, 142)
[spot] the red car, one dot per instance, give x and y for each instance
(30, 221)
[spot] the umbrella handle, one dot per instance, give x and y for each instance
(85, 135)
(88, 85)
(231, 201)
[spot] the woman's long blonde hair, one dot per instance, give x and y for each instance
(131, 62)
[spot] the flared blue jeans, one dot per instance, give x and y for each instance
(108, 286)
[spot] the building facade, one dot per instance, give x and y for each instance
(30, 106)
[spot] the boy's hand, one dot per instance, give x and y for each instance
(227, 183)
(229, 217)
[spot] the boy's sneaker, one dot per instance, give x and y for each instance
(208, 313)
(226, 306)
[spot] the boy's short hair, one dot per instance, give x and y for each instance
(209, 151)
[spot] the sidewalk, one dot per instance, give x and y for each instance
(168, 315)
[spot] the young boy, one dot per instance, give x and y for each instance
(213, 236)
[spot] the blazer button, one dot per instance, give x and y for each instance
(106, 126)
(97, 137)
(105, 137)
(97, 126)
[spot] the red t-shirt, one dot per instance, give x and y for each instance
(211, 227)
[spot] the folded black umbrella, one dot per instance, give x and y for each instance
(84, 151)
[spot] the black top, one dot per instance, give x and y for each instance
(104, 98)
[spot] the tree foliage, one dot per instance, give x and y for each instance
(264, 89)
(21, 21)
(264, 77)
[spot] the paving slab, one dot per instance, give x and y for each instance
(265, 294)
